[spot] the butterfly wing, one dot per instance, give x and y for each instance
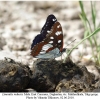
(53, 40)
(51, 19)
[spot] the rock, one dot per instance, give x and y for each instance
(39, 80)
(48, 73)
(79, 82)
(14, 77)
(90, 65)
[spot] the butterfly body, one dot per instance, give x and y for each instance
(48, 44)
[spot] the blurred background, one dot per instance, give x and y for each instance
(21, 21)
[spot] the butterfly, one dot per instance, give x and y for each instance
(49, 43)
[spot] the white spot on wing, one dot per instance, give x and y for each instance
(51, 42)
(58, 26)
(54, 19)
(46, 47)
(48, 31)
(42, 52)
(58, 33)
(59, 41)
(51, 37)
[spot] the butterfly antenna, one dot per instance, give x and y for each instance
(71, 42)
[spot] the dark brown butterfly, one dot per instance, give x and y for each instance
(49, 43)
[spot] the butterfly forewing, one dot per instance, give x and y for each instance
(51, 19)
